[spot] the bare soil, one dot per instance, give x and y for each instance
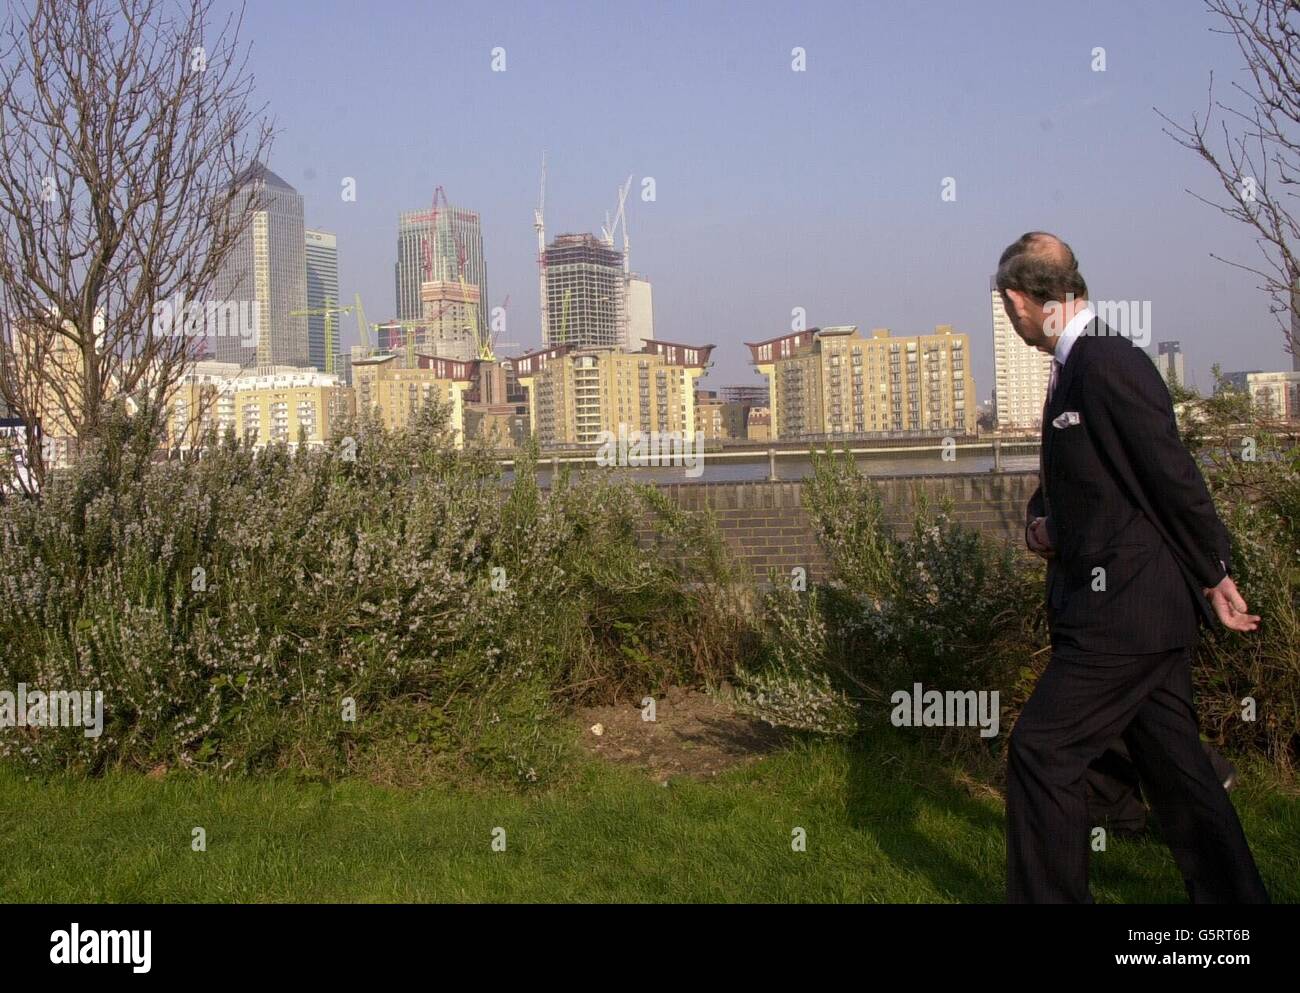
(693, 734)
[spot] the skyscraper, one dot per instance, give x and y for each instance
(267, 268)
(1020, 374)
(1169, 360)
(322, 256)
(640, 313)
(586, 294)
(458, 229)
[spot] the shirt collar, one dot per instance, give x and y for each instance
(1077, 325)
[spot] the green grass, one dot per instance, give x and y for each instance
(884, 823)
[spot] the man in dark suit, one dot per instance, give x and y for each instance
(1136, 556)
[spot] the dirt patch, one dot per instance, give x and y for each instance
(693, 734)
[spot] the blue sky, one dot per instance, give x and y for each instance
(776, 189)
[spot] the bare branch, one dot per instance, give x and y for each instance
(123, 126)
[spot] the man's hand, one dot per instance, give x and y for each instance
(1037, 540)
(1230, 607)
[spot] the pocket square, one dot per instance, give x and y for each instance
(1067, 419)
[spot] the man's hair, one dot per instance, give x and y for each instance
(1041, 266)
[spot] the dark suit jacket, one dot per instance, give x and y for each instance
(1123, 495)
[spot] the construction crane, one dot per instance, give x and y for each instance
(410, 327)
(505, 305)
(363, 328)
(328, 313)
(539, 225)
(607, 233)
(620, 218)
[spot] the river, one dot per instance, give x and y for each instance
(795, 466)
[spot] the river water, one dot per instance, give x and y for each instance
(795, 467)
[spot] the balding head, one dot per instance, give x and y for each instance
(1041, 287)
(1043, 267)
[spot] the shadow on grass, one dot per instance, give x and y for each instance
(900, 792)
(921, 814)
(896, 790)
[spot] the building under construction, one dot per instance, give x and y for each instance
(442, 245)
(450, 316)
(586, 300)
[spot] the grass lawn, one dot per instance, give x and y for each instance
(883, 823)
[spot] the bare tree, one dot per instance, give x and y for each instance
(124, 126)
(1251, 143)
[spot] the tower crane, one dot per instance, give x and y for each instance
(493, 343)
(620, 218)
(539, 225)
(328, 312)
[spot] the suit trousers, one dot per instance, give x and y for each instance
(1082, 703)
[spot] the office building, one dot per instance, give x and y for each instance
(640, 313)
(450, 327)
(322, 257)
(266, 268)
(428, 255)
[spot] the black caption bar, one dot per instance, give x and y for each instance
(141, 944)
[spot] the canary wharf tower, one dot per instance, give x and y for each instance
(268, 267)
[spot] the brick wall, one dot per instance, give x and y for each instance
(766, 525)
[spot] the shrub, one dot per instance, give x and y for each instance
(1253, 470)
(939, 603)
(229, 608)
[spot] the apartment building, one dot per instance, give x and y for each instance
(828, 383)
(576, 393)
(395, 394)
(277, 405)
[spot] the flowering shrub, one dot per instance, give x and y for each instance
(939, 602)
(794, 687)
(1248, 686)
(398, 608)
(260, 610)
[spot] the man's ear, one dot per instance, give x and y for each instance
(1017, 302)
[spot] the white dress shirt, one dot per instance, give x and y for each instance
(1076, 326)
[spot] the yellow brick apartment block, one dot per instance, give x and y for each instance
(828, 383)
(574, 394)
